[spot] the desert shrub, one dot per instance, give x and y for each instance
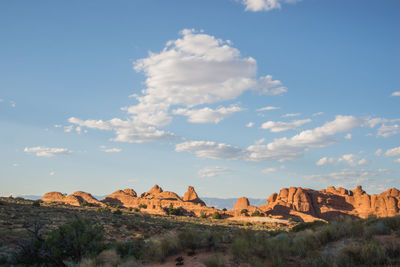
(133, 248)
(174, 211)
(159, 249)
(103, 209)
(244, 211)
(142, 206)
(256, 213)
(117, 212)
(189, 239)
(36, 203)
(304, 242)
(248, 224)
(392, 222)
(216, 215)
(379, 228)
(365, 254)
(224, 209)
(214, 261)
(108, 258)
(76, 239)
(202, 214)
(307, 225)
(136, 209)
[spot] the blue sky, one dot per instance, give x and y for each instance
(104, 95)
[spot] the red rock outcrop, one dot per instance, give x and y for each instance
(191, 196)
(332, 202)
(76, 199)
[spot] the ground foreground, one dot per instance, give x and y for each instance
(46, 234)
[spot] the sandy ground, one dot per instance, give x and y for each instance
(196, 260)
(257, 219)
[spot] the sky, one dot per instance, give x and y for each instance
(236, 98)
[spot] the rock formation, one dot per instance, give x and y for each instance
(78, 198)
(295, 202)
(191, 196)
(332, 202)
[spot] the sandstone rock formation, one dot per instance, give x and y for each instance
(76, 199)
(191, 196)
(332, 202)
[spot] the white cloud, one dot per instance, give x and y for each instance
(207, 115)
(15, 164)
(265, 5)
(268, 170)
(388, 130)
(378, 152)
(208, 172)
(250, 124)
(293, 148)
(110, 150)
(259, 141)
(268, 108)
(349, 159)
(52, 173)
(47, 151)
(13, 104)
(317, 114)
(397, 93)
(212, 150)
(393, 152)
(397, 160)
(193, 70)
(280, 126)
(347, 174)
(348, 136)
(288, 115)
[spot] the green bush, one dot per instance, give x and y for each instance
(103, 209)
(214, 261)
(244, 211)
(117, 212)
(135, 248)
(202, 214)
(142, 206)
(224, 209)
(36, 203)
(307, 225)
(75, 240)
(216, 215)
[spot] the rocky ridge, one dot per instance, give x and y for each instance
(298, 203)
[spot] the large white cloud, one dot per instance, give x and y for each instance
(294, 147)
(280, 126)
(393, 152)
(196, 69)
(42, 151)
(279, 149)
(265, 5)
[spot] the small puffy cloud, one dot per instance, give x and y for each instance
(207, 115)
(250, 124)
(52, 173)
(265, 5)
(259, 141)
(378, 152)
(280, 126)
(269, 170)
(15, 164)
(397, 160)
(47, 151)
(393, 152)
(388, 130)
(208, 172)
(110, 150)
(397, 93)
(347, 174)
(212, 150)
(13, 104)
(268, 108)
(349, 159)
(317, 114)
(288, 115)
(348, 136)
